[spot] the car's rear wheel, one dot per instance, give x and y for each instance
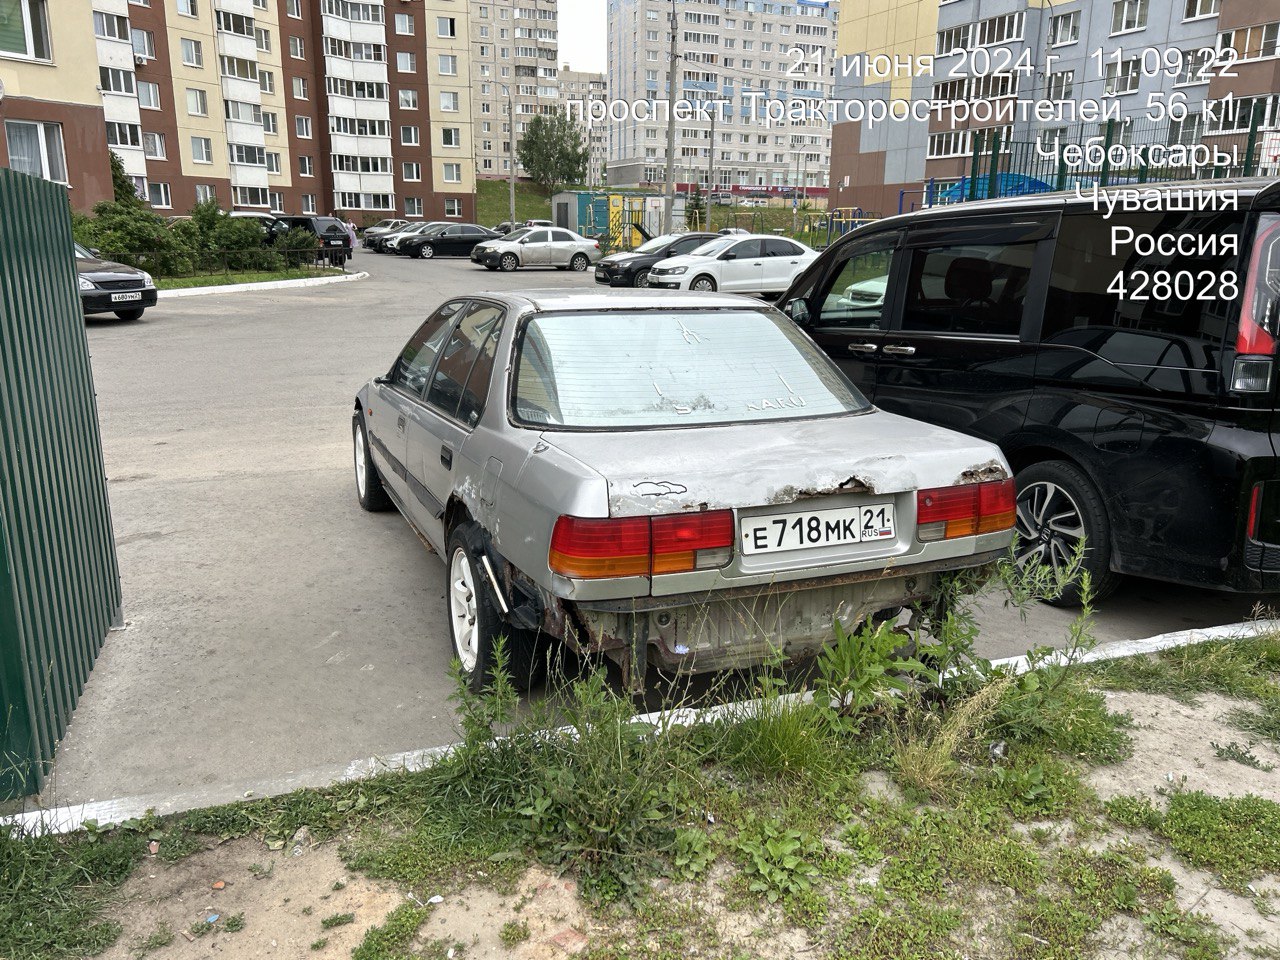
(369, 490)
(642, 279)
(704, 284)
(579, 262)
(474, 621)
(131, 315)
(509, 262)
(1058, 510)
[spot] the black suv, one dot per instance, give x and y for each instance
(1120, 348)
(631, 269)
(335, 241)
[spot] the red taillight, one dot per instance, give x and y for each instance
(589, 549)
(1255, 508)
(1253, 338)
(692, 541)
(944, 513)
(641, 546)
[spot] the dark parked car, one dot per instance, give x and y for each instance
(505, 227)
(108, 287)
(631, 269)
(1123, 359)
(446, 240)
(335, 241)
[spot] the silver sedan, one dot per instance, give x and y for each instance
(679, 479)
(538, 247)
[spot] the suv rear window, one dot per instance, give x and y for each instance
(328, 225)
(623, 371)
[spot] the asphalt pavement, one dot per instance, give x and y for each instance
(276, 632)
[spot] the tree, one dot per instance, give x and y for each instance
(552, 151)
(122, 184)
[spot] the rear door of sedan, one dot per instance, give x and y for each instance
(563, 246)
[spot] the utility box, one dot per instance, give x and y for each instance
(59, 579)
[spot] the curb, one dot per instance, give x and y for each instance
(266, 285)
(68, 819)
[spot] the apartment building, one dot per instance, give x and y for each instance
(52, 109)
(514, 60)
(751, 62)
(1122, 55)
(299, 106)
(581, 85)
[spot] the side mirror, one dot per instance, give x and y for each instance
(382, 381)
(797, 310)
(95, 251)
(728, 256)
(524, 241)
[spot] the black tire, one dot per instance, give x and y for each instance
(579, 262)
(704, 283)
(130, 315)
(642, 279)
(490, 266)
(466, 546)
(415, 253)
(1058, 506)
(426, 251)
(372, 495)
(509, 262)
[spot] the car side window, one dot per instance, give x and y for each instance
(561, 236)
(968, 288)
(414, 366)
(686, 245)
(780, 248)
(538, 236)
(747, 249)
(458, 388)
(854, 295)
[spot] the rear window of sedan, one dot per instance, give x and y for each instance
(627, 370)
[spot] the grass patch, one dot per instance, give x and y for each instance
(337, 920)
(1246, 669)
(513, 932)
(241, 276)
(389, 940)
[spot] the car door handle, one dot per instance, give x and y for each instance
(446, 458)
(400, 422)
(898, 350)
(864, 347)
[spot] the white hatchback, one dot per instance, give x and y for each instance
(755, 263)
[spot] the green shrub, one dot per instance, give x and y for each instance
(297, 248)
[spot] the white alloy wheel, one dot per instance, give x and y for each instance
(362, 462)
(464, 610)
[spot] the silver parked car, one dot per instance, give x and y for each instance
(538, 247)
(671, 478)
(380, 228)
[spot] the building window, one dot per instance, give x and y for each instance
(124, 134)
(412, 172)
(160, 196)
(306, 167)
(197, 102)
(144, 43)
(206, 192)
(297, 48)
(250, 196)
(448, 65)
(189, 7)
(201, 150)
(408, 99)
(36, 149)
(1064, 29)
(115, 81)
(270, 122)
(453, 173)
(300, 90)
(451, 136)
(1062, 85)
(413, 207)
(452, 207)
(409, 136)
(1121, 78)
(24, 30)
(262, 39)
(275, 199)
(1201, 8)
(302, 127)
(273, 163)
(449, 101)
(446, 27)
(266, 81)
(406, 62)
(148, 95)
(294, 8)
(308, 203)
(105, 25)
(404, 24)
(1128, 15)
(153, 146)
(192, 53)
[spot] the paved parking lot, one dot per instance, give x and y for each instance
(276, 631)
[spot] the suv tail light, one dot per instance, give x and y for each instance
(641, 546)
(1255, 510)
(944, 513)
(1256, 337)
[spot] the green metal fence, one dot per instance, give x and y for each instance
(59, 581)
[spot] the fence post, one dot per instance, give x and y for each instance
(1105, 173)
(973, 172)
(993, 171)
(1142, 164)
(1251, 147)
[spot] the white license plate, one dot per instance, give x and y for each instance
(776, 533)
(125, 297)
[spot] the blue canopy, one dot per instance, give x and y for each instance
(1007, 185)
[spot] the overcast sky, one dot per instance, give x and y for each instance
(582, 34)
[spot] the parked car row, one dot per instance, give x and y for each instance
(537, 247)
